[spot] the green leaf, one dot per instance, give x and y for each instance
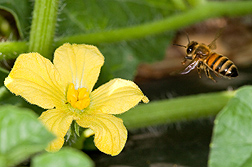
(21, 135)
(122, 59)
(66, 157)
(21, 10)
(232, 136)
(6, 97)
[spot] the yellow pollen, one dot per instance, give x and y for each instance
(78, 98)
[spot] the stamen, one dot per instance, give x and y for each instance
(78, 98)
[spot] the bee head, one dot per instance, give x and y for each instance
(191, 47)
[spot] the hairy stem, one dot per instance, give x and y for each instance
(43, 27)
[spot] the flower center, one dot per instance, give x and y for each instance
(78, 98)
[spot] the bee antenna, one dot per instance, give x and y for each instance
(187, 37)
(179, 45)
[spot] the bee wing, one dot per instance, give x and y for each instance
(212, 45)
(190, 66)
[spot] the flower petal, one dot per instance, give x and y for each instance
(58, 122)
(35, 78)
(116, 97)
(110, 133)
(79, 64)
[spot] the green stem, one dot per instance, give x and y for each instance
(10, 50)
(43, 27)
(180, 4)
(204, 11)
(3, 70)
(174, 110)
(196, 2)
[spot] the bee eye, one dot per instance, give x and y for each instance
(189, 50)
(191, 46)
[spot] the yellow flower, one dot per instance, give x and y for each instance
(65, 87)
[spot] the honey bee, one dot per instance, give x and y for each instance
(202, 57)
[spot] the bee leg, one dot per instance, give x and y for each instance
(184, 61)
(217, 75)
(199, 67)
(208, 74)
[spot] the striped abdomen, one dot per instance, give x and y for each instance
(221, 65)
